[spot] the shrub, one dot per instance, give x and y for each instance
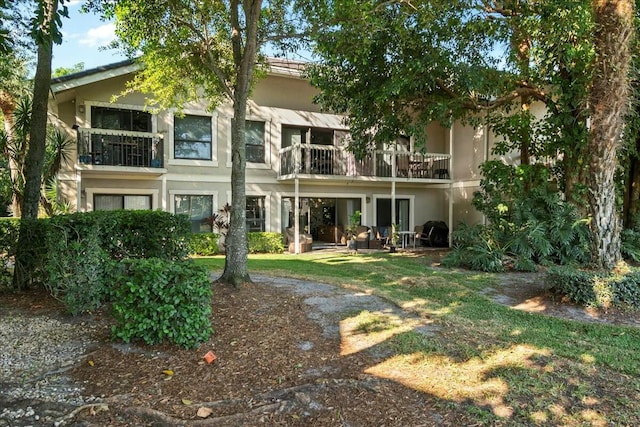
(630, 244)
(121, 234)
(529, 224)
(157, 300)
(595, 288)
(206, 244)
(79, 272)
(203, 244)
(262, 242)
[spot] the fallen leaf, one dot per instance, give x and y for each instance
(168, 372)
(204, 412)
(90, 362)
(186, 402)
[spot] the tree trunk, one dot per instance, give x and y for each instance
(237, 249)
(609, 99)
(37, 140)
(8, 107)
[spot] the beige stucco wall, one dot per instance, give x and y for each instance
(276, 100)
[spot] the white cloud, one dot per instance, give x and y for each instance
(99, 36)
(72, 3)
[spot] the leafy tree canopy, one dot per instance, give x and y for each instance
(63, 71)
(187, 47)
(395, 66)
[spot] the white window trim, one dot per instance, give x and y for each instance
(214, 139)
(412, 204)
(90, 192)
(267, 206)
(267, 142)
(89, 104)
(173, 193)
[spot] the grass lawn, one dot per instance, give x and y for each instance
(510, 366)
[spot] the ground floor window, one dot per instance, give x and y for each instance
(256, 213)
(198, 208)
(383, 213)
(111, 202)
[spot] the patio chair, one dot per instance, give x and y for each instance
(305, 240)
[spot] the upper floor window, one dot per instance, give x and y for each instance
(255, 141)
(120, 119)
(192, 137)
(303, 135)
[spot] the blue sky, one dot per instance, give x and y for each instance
(83, 35)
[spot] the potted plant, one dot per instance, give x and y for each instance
(394, 238)
(352, 230)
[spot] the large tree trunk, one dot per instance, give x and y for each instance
(237, 248)
(37, 140)
(609, 101)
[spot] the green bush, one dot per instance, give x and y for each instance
(630, 244)
(157, 300)
(595, 288)
(262, 242)
(78, 272)
(121, 234)
(528, 224)
(204, 244)
(9, 228)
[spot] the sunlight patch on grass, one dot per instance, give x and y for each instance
(587, 358)
(367, 329)
(470, 379)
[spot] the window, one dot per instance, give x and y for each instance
(197, 208)
(315, 136)
(111, 202)
(192, 137)
(120, 119)
(255, 213)
(255, 141)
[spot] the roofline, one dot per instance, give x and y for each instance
(276, 67)
(81, 78)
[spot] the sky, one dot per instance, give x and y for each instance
(83, 35)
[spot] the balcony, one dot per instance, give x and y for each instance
(307, 160)
(119, 148)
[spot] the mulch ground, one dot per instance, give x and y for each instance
(273, 367)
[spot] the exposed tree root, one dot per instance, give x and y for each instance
(270, 403)
(91, 406)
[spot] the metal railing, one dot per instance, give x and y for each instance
(119, 148)
(308, 159)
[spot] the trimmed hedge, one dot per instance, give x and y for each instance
(267, 243)
(157, 300)
(73, 255)
(596, 289)
(206, 244)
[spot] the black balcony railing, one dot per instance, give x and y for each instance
(119, 148)
(308, 159)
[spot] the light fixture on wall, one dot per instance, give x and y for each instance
(368, 199)
(81, 109)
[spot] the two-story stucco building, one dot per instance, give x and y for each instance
(297, 165)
